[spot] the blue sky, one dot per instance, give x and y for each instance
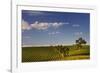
(53, 28)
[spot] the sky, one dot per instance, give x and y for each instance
(40, 28)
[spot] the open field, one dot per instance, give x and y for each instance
(49, 53)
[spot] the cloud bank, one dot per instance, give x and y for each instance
(25, 25)
(40, 25)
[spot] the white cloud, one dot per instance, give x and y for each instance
(56, 25)
(53, 33)
(25, 25)
(78, 33)
(45, 25)
(40, 26)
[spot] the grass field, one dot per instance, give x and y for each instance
(38, 54)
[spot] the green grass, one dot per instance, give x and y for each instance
(77, 57)
(39, 54)
(36, 54)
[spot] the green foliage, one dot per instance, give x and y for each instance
(63, 50)
(80, 42)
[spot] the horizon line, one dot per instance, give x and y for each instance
(48, 45)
